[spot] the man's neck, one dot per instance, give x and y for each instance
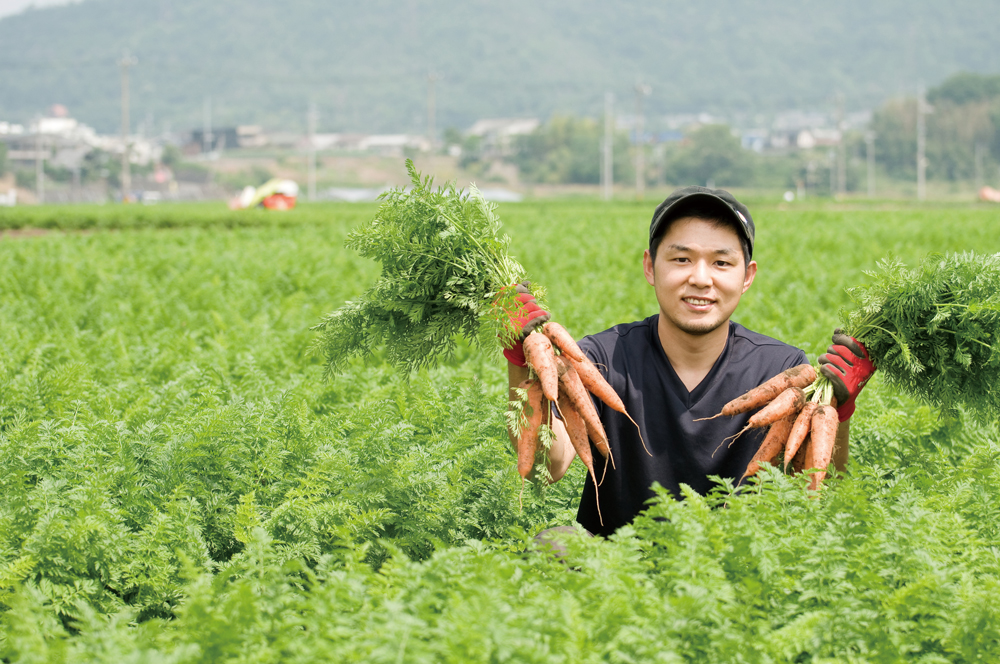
(691, 355)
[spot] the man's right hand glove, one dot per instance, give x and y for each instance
(847, 366)
(523, 321)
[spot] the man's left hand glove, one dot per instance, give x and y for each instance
(523, 320)
(847, 366)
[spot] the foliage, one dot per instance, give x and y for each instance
(178, 484)
(169, 215)
(446, 270)
(966, 114)
(935, 331)
(883, 569)
(966, 87)
(710, 153)
(568, 150)
(526, 58)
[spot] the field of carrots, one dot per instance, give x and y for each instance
(179, 481)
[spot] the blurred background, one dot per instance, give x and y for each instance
(155, 100)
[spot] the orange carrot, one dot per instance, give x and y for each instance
(824, 437)
(799, 376)
(799, 431)
(564, 341)
(771, 446)
(596, 385)
(785, 404)
(538, 352)
(527, 443)
(801, 459)
(577, 430)
(578, 397)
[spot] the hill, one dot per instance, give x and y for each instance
(366, 64)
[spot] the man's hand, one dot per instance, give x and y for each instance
(847, 366)
(523, 320)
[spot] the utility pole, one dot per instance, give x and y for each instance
(312, 151)
(841, 149)
(39, 163)
(832, 158)
(641, 90)
(923, 108)
(431, 109)
(870, 158)
(607, 170)
(980, 153)
(206, 126)
(126, 62)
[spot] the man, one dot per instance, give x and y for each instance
(684, 363)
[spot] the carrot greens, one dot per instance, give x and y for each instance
(445, 263)
(934, 331)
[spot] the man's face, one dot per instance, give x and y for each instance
(699, 275)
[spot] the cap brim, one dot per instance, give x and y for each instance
(668, 213)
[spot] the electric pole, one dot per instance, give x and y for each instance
(206, 126)
(126, 62)
(312, 151)
(980, 151)
(832, 158)
(431, 109)
(923, 108)
(841, 149)
(607, 170)
(641, 90)
(39, 163)
(870, 158)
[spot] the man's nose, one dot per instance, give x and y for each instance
(701, 276)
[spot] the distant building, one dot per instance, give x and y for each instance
(497, 133)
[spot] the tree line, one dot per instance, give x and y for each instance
(963, 140)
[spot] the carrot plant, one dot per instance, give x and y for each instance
(177, 483)
(446, 270)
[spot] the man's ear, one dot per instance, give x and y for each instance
(647, 267)
(750, 274)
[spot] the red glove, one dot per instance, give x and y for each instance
(847, 366)
(523, 320)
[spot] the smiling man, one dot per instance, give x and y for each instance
(684, 363)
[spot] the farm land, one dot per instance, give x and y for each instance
(179, 481)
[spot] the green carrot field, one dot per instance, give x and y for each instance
(180, 483)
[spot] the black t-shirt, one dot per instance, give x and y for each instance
(632, 360)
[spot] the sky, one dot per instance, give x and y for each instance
(8, 7)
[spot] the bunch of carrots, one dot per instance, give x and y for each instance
(562, 374)
(801, 411)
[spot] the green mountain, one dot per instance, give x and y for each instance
(366, 64)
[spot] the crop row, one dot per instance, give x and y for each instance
(178, 481)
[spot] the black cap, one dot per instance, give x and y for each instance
(677, 203)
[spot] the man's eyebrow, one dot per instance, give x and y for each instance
(680, 247)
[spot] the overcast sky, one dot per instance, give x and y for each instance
(8, 7)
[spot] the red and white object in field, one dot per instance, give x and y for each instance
(275, 194)
(989, 194)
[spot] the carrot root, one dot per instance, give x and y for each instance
(576, 427)
(541, 358)
(564, 341)
(771, 446)
(799, 431)
(592, 379)
(786, 403)
(824, 438)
